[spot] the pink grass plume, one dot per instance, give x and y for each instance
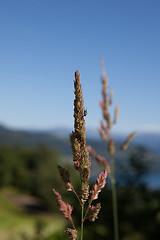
(100, 183)
(65, 208)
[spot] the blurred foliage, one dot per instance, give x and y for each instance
(138, 206)
(34, 171)
(133, 171)
(31, 170)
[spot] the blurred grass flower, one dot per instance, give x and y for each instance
(105, 133)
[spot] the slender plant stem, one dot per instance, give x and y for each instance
(114, 197)
(76, 195)
(82, 206)
(86, 214)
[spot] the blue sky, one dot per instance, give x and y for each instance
(42, 43)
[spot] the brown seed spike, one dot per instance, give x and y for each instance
(64, 173)
(126, 143)
(116, 114)
(78, 136)
(72, 233)
(85, 112)
(84, 192)
(107, 118)
(104, 75)
(93, 212)
(111, 96)
(103, 135)
(77, 76)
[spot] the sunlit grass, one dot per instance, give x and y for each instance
(14, 221)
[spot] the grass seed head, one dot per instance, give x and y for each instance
(72, 233)
(93, 212)
(128, 140)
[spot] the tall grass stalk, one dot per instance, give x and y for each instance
(82, 164)
(114, 197)
(82, 222)
(105, 132)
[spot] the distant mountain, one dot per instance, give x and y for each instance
(51, 136)
(147, 139)
(33, 138)
(59, 139)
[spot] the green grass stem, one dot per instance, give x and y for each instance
(82, 208)
(114, 199)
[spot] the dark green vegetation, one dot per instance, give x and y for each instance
(139, 215)
(25, 169)
(28, 210)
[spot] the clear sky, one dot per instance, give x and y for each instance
(42, 43)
